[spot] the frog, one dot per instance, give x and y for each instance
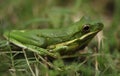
(62, 41)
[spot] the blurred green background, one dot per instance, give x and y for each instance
(38, 14)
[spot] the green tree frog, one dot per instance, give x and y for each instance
(66, 40)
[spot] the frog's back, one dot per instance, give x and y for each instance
(42, 38)
(51, 36)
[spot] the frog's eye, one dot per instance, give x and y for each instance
(86, 28)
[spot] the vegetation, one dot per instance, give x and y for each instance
(100, 58)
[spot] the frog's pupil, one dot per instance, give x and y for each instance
(86, 27)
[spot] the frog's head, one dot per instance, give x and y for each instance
(87, 30)
(89, 25)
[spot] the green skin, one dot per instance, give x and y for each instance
(53, 41)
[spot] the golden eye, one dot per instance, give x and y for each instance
(86, 28)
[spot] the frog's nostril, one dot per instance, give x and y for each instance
(100, 25)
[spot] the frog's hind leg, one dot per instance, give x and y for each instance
(32, 48)
(41, 51)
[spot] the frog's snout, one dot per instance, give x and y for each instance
(100, 26)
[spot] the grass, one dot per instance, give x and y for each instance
(101, 59)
